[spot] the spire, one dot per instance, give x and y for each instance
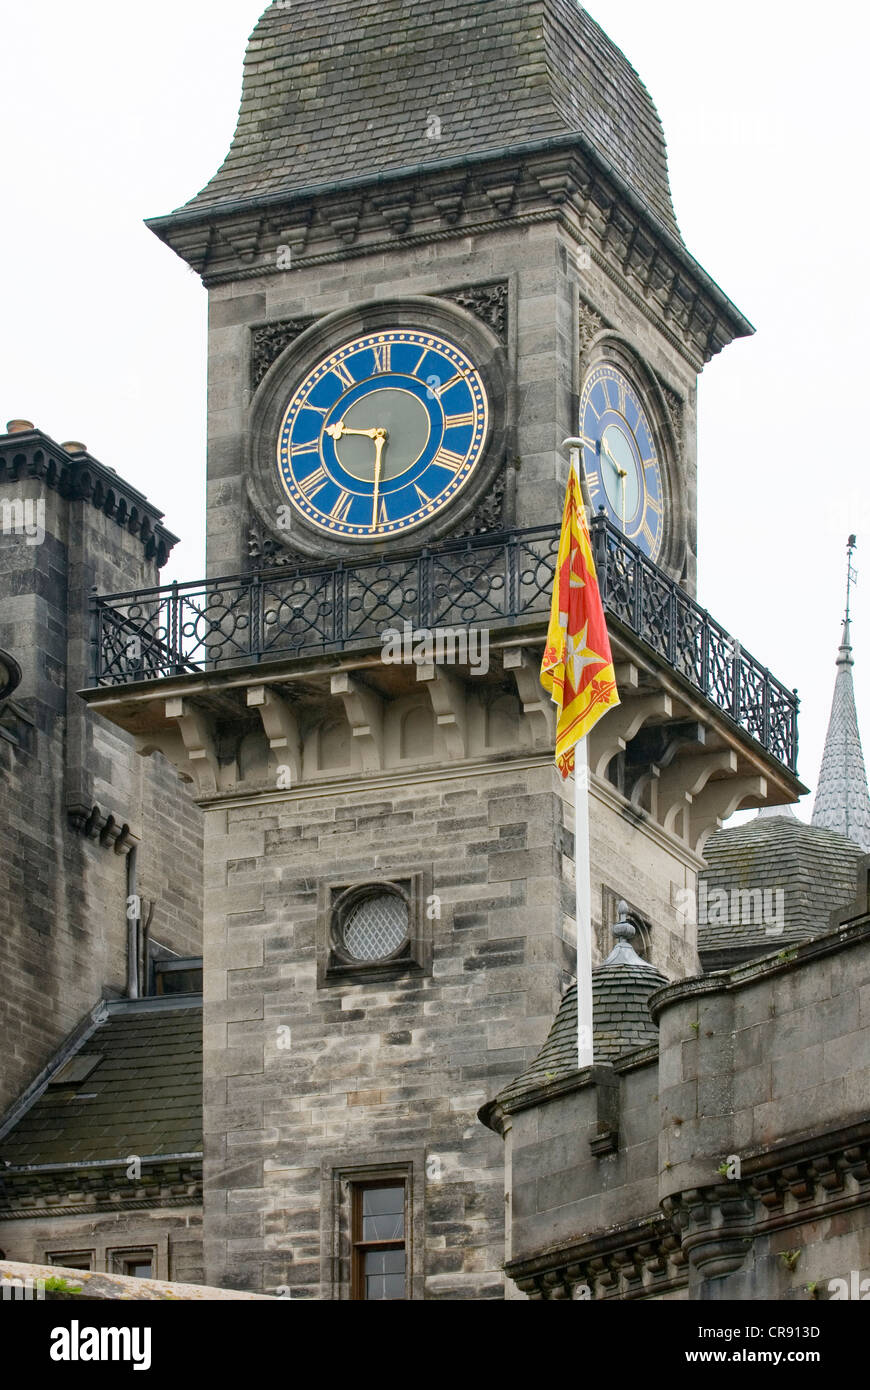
(842, 802)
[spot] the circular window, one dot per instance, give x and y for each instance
(376, 926)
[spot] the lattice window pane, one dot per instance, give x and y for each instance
(376, 927)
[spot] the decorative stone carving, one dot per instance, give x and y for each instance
(489, 303)
(589, 323)
(488, 515)
(675, 411)
(269, 341)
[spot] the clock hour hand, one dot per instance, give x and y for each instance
(341, 429)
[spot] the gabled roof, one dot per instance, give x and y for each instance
(340, 88)
(131, 1085)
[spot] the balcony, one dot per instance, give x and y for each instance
(498, 582)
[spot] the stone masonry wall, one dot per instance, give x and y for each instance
(62, 894)
(375, 1071)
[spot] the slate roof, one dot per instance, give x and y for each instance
(335, 89)
(842, 803)
(815, 869)
(621, 1021)
(143, 1097)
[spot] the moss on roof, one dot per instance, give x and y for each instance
(337, 89)
(143, 1097)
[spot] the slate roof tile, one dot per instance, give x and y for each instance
(147, 1095)
(371, 73)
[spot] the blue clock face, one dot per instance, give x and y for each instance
(382, 434)
(620, 461)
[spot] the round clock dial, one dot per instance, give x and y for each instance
(620, 463)
(382, 433)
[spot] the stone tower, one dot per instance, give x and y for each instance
(84, 821)
(433, 252)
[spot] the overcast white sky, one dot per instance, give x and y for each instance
(111, 113)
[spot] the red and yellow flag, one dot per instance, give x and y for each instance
(577, 668)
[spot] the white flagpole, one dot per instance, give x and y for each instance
(583, 875)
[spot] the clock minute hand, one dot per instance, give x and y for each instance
(380, 438)
(622, 472)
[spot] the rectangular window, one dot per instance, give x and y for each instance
(379, 1247)
(72, 1259)
(138, 1264)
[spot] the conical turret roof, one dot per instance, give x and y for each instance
(842, 802)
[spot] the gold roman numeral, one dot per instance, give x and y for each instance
(382, 352)
(424, 499)
(343, 504)
(451, 420)
(314, 482)
(654, 504)
(343, 374)
(382, 513)
(648, 536)
(621, 389)
(593, 482)
(446, 458)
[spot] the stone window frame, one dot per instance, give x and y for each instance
(338, 1177)
(105, 1246)
(337, 895)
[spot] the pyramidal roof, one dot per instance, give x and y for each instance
(842, 802)
(341, 89)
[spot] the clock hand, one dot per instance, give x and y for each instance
(622, 472)
(380, 437)
(341, 428)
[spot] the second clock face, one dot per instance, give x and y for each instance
(382, 434)
(620, 462)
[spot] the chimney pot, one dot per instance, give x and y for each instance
(19, 426)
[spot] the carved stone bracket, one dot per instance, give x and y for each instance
(719, 801)
(364, 711)
(590, 323)
(537, 705)
(448, 702)
(280, 726)
(613, 734)
(198, 736)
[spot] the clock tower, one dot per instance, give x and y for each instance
(438, 246)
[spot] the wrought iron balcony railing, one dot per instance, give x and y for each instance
(490, 581)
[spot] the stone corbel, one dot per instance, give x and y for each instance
(502, 191)
(686, 779)
(537, 705)
(365, 716)
(719, 801)
(280, 726)
(243, 235)
(612, 734)
(192, 244)
(198, 737)
(448, 702)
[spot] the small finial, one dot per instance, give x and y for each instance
(623, 930)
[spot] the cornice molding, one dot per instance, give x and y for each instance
(81, 477)
(709, 1230)
(563, 183)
